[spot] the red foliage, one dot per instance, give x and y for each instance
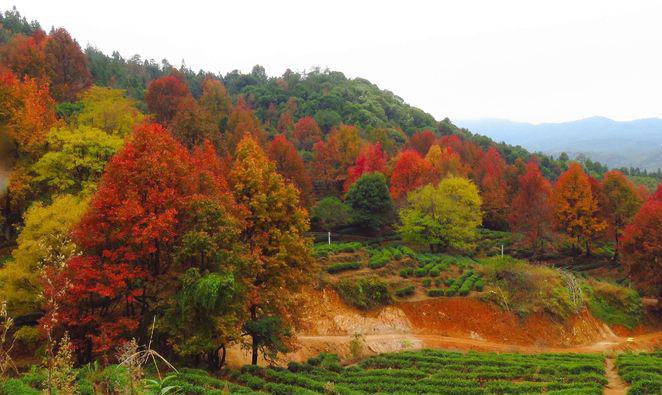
(326, 167)
(531, 212)
(290, 165)
(242, 120)
(164, 96)
(370, 160)
(306, 133)
(24, 55)
(421, 141)
(67, 66)
(127, 236)
(491, 176)
(411, 171)
(642, 246)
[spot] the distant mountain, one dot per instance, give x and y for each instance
(635, 143)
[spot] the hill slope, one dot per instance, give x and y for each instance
(635, 143)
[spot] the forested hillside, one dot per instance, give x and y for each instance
(153, 211)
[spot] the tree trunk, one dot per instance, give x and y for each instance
(615, 257)
(588, 248)
(255, 342)
(222, 361)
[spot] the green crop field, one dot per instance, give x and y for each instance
(418, 372)
(643, 372)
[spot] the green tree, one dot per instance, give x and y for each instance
(370, 201)
(76, 159)
(208, 309)
(331, 213)
(46, 232)
(441, 217)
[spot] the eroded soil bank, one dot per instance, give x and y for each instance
(451, 323)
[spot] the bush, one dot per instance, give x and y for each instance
(407, 272)
(322, 250)
(405, 291)
(420, 272)
(480, 284)
(613, 304)
(365, 293)
(17, 387)
(343, 266)
(379, 260)
(434, 272)
(436, 292)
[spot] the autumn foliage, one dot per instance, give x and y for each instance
(531, 212)
(576, 208)
(410, 172)
(642, 246)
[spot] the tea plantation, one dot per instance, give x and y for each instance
(643, 372)
(416, 372)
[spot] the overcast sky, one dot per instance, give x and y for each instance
(534, 61)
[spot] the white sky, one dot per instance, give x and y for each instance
(536, 61)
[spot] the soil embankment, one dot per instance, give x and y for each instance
(451, 323)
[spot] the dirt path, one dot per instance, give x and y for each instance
(615, 385)
(380, 343)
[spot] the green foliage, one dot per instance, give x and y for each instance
(525, 288)
(343, 266)
(330, 213)
(364, 293)
(642, 371)
(405, 291)
(435, 292)
(441, 217)
(370, 201)
(613, 304)
(330, 98)
(438, 372)
(269, 334)
(322, 250)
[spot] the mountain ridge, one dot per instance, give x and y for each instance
(635, 143)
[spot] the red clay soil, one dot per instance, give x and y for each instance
(467, 317)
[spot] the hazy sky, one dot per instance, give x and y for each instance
(523, 60)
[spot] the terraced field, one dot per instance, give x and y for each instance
(418, 372)
(643, 372)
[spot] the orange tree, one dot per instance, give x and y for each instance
(280, 261)
(576, 208)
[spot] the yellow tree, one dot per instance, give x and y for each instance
(575, 208)
(281, 260)
(109, 110)
(46, 233)
(441, 217)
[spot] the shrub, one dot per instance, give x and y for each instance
(434, 272)
(364, 293)
(407, 272)
(435, 292)
(613, 304)
(343, 266)
(420, 272)
(321, 250)
(405, 291)
(379, 260)
(480, 284)
(17, 387)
